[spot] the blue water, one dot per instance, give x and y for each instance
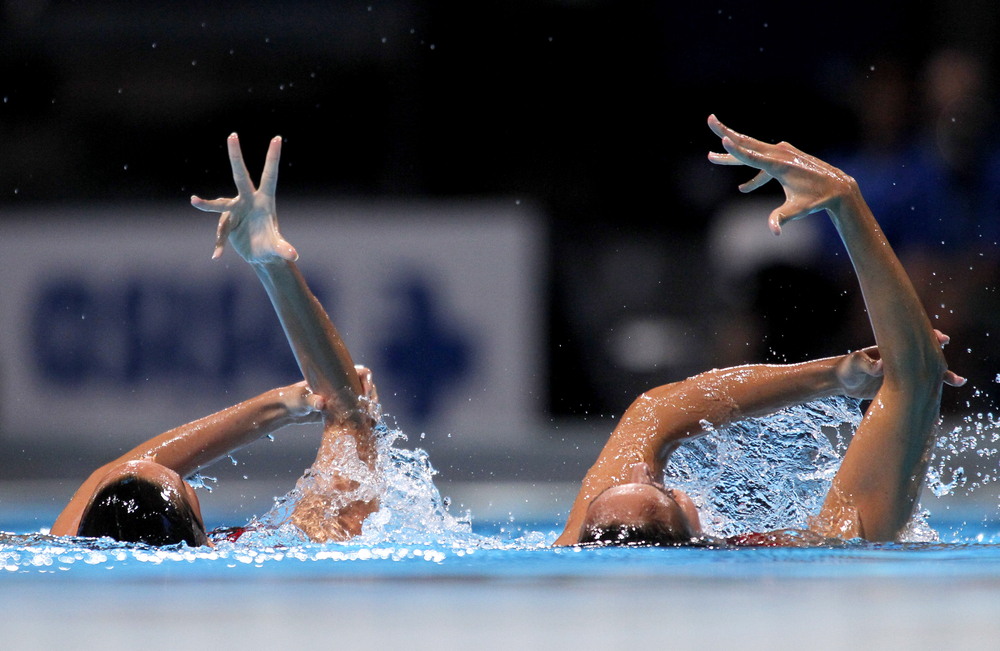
(415, 536)
(437, 562)
(485, 553)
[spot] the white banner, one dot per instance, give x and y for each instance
(115, 324)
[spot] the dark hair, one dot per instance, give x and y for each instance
(647, 534)
(135, 509)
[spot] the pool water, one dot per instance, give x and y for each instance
(484, 551)
(758, 475)
(421, 577)
(502, 594)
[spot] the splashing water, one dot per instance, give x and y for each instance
(412, 524)
(979, 435)
(774, 472)
(766, 473)
(198, 480)
(411, 509)
(757, 475)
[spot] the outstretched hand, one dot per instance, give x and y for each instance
(810, 184)
(860, 372)
(249, 220)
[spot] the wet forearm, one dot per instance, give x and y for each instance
(723, 396)
(187, 448)
(909, 348)
(321, 354)
(190, 447)
(663, 417)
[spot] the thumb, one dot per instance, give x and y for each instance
(222, 233)
(788, 211)
(953, 379)
(316, 402)
(286, 250)
(776, 219)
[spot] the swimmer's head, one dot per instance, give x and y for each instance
(641, 512)
(144, 502)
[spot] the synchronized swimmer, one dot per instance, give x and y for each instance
(142, 497)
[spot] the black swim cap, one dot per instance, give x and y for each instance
(135, 509)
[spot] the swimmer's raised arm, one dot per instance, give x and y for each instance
(191, 447)
(249, 221)
(875, 491)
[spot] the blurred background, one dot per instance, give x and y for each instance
(516, 193)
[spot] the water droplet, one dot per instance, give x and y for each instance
(233, 459)
(125, 166)
(432, 46)
(195, 62)
(154, 46)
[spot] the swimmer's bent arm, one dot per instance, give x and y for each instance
(663, 417)
(198, 444)
(660, 419)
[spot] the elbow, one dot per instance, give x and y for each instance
(924, 372)
(934, 365)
